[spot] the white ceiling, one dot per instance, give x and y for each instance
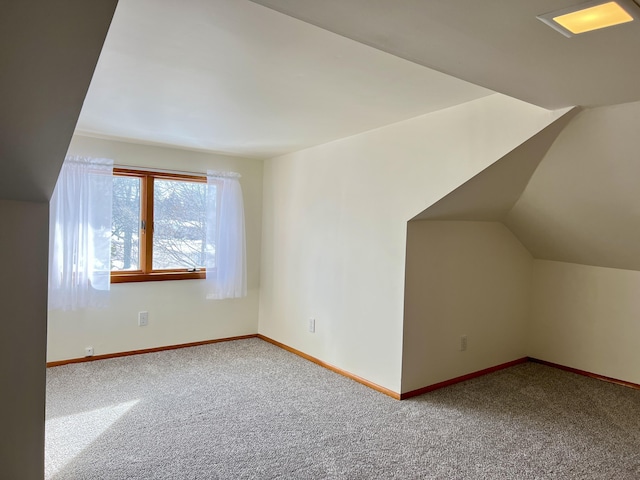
(498, 44)
(235, 77)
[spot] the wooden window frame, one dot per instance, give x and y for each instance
(146, 273)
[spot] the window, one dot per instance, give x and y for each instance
(158, 226)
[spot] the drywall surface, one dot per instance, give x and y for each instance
(178, 310)
(468, 279)
(490, 195)
(178, 313)
(508, 52)
(48, 51)
(24, 246)
(581, 205)
(334, 235)
(587, 318)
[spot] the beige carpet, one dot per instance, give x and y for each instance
(247, 409)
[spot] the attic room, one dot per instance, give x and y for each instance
(437, 211)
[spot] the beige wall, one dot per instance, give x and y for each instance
(334, 235)
(581, 205)
(178, 311)
(24, 246)
(462, 278)
(587, 318)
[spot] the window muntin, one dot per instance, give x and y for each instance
(170, 242)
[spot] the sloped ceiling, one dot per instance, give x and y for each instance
(234, 77)
(48, 51)
(569, 194)
(582, 204)
(577, 202)
(498, 44)
(490, 195)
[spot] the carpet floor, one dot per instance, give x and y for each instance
(247, 409)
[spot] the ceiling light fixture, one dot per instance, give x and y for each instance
(591, 16)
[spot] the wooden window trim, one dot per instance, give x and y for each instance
(146, 273)
(130, 277)
(124, 172)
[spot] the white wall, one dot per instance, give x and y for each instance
(24, 246)
(463, 278)
(178, 311)
(587, 318)
(581, 205)
(334, 235)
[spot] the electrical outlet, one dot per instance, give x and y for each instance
(463, 343)
(312, 325)
(88, 352)
(143, 319)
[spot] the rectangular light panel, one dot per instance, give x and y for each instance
(589, 16)
(601, 16)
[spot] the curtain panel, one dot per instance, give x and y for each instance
(80, 234)
(226, 244)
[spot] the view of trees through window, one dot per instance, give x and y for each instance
(179, 210)
(179, 224)
(125, 230)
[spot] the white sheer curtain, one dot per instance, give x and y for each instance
(80, 234)
(226, 247)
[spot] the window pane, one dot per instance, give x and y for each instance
(125, 229)
(179, 224)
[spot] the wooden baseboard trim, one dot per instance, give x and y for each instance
(328, 366)
(146, 350)
(585, 373)
(468, 376)
(363, 381)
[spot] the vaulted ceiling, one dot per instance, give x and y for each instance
(490, 195)
(234, 77)
(265, 77)
(497, 44)
(581, 205)
(569, 193)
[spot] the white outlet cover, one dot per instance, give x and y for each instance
(143, 319)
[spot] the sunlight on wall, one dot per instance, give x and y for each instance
(66, 437)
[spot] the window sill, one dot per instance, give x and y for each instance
(156, 276)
